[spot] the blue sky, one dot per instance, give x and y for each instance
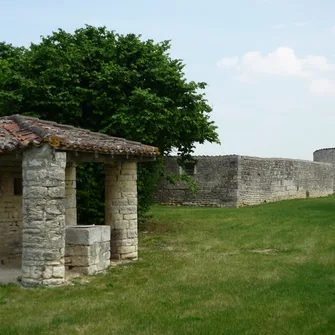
(269, 64)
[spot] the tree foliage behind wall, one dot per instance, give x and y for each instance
(111, 83)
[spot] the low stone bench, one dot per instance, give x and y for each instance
(87, 249)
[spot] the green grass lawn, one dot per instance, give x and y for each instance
(266, 269)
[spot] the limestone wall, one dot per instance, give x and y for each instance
(326, 156)
(230, 181)
(216, 177)
(10, 211)
(266, 180)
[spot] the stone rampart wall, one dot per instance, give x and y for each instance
(216, 178)
(326, 156)
(231, 181)
(266, 180)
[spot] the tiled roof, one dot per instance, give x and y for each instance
(17, 132)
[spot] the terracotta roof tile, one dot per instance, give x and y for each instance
(18, 132)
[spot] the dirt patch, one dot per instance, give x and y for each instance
(264, 251)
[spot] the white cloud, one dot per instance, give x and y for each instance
(283, 62)
(228, 62)
(322, 87)
(333, 29)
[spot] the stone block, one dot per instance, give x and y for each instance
(120, 202)
(126, 249)
(130, 216)
(119, 224)
(52, 281)
(131, 256)
(87, 235)
(34, 192)
(127, 209)
(119, 234)
(85, 270)
(132, 233)
(56, 192)
(58, 272)
(79, 260)
(132, 224)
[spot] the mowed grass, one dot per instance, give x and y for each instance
(266, 269)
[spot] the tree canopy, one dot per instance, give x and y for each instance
(107, 82)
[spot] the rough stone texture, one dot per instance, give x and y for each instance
(10, 210)
(87, 249)
(43, 236)
(121, 209)
(216, 178)
(70, 195)
(326, 156)
(230, 181)
(267, 180)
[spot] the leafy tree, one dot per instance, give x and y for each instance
(111, 83)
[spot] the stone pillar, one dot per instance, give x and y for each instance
(71, 195)
(43, 209)
(121, 209)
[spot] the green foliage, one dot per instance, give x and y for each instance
(192, 184)
(111, 83)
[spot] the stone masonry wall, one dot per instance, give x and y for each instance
(266, 180)
(121, 209)
(43, 237)
(231, 181)
(10, 211)
(326, 156)
(216, 178)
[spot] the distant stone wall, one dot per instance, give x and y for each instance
(10, 211)
(232, 181)
(216, 178)
(326, 156)
(267, 180)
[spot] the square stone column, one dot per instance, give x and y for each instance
(43, 209)
(121, 209)
(71, 195)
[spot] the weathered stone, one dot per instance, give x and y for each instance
(52, 281)
(71, 200)
(126, 249)
(47, 273)
(44, 215)
(130, 216)
(232, 181)
(121, 179)
(131, 256)
(58, 272)
(87, 235)
(89, 251)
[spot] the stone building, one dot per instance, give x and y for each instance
(233, 181)
(38, 198)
